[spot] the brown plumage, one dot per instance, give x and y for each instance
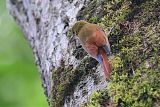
(94, 42)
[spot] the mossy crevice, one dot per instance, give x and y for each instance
(65, 79)
(79, 52)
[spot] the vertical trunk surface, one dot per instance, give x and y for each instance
(45, 24)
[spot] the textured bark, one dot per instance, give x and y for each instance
(45, 24)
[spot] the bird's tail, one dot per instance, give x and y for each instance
(105, 63)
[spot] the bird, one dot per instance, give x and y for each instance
(95, 42)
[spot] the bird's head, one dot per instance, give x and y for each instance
(77, 27)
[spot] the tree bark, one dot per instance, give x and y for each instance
(45, 24)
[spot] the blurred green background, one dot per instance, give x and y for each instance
(20, 84)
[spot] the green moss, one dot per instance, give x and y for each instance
(65, 79)
(135, 91)
(98, 99)
(94, 20)
(134, 81)
(94, 11)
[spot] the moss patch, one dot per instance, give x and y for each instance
(65, 79)
(135, 43)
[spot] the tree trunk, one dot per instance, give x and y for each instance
(69, 76)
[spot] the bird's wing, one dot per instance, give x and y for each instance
(100, 38)
(102, 41)
(91, 49)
